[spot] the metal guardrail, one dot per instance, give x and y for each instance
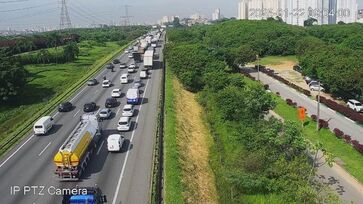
(25, 128)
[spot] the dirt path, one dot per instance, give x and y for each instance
(194, 143)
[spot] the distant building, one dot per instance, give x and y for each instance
(216, 15)
(242, 9)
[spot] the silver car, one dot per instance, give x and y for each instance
(105, 113)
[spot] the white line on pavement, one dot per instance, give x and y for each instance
(76, 113)
(55, 115)
(349, 119)
(44, 148)
(16, 150)
(99, 149)
(78, 94)
(118, 110)
(128, 150)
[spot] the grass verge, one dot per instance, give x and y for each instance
(49, 85)
(345, 154)
(172, 176)
(276, 60)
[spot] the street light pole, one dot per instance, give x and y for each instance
(318, 110)
(258, 67)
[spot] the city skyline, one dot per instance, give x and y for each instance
(46, 13)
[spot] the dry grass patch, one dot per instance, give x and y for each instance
(194, 143)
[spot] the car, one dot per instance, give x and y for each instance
(130, 70)
(124, 79)
(127, 51)
(116, 93)
(316, 87)
(143, 75)
(115, 142)
(132, 65)
(105, 113)
(116, 61)
(92, 82)
(137, 83)
(131, 56)
(123, 66)
(89, 107)
(110, 66)
(128, 110)
(355, 105)
(111, 102)
(65, 107)
(106, 83)
(124, 124)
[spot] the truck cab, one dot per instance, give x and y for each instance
(89, 195)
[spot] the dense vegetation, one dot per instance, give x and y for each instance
(331, 53)
(252, 158)
(55, 47)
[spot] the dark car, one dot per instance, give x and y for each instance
(116, 61)
(65, 107)
(110, 103)
(89, 107)
(110, 66)
(92, 82)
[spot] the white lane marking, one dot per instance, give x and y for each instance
(99, 149)
(98, 111)
(128, 150)
(76, 113)
(78, 94)
(349, 119)
(118, 111)
(44, 148)
(16, 150)
(55, 115)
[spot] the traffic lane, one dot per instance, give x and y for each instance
(29, 154)
(137, 190)
(335, 120)
(135, 184)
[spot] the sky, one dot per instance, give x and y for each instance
(20, 14)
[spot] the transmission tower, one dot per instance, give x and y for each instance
(126, 17)
(65, 20)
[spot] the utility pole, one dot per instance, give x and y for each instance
(126, 17)
(65, 20)
(318, 110)
(258, 67)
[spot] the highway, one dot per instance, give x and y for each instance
(123, 177)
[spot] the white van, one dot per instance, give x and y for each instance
(143, 74)
(114, 142)
(124, 79)
(124, 124)
(133, 96)
(43, 125)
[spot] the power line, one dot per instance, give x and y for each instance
(26, 8)
(31, 15)
(14, 1)
(81, 9)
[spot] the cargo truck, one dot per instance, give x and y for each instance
(148, 58)
(74, 154)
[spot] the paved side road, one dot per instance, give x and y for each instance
(335, 119)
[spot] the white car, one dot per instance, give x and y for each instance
(106, 83)
(316, 87)
(131, 70)
(126, 51)
(116, 93)
(132, 66)
(128, 110)
(355, 105)
(130, 56)
(124, 124)
(124, 79)
(143, 75)
(105, 113)
(123, 66)
(115, 142)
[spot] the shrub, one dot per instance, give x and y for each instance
(338, 133)
(323, 123)
(266, 86)
(294, 104)
(278, 93)
(314, 118)
(347, 139)
(289, 102)
(357, 146)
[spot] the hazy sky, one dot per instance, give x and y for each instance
(20, 14)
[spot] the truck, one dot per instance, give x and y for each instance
(75, 153)
(137, 56)
(148, 58)
(85, 195)
(143, 46)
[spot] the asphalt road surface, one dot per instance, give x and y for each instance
(123, 177)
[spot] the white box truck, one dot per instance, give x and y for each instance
(148, 58)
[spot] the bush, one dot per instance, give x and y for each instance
(357, 146)
(347, 139)
(323, 124)
(338, 133)
(289, 102)
(278, 93)
(266, 86)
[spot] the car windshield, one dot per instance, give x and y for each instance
(127, 109)
(358, 104)
(115, 91)
(38, 126)
(122, 123)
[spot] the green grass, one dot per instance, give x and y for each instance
(49, 81)
(352, 159)
(172, 176)
(275, 60)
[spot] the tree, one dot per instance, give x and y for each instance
(241, 56)
(12, 78)
(71, 51)
(341, 23)
(310, 22)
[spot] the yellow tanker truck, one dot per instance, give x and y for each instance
(74, 154)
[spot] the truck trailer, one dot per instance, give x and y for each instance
(148, 58)
(75, 153)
